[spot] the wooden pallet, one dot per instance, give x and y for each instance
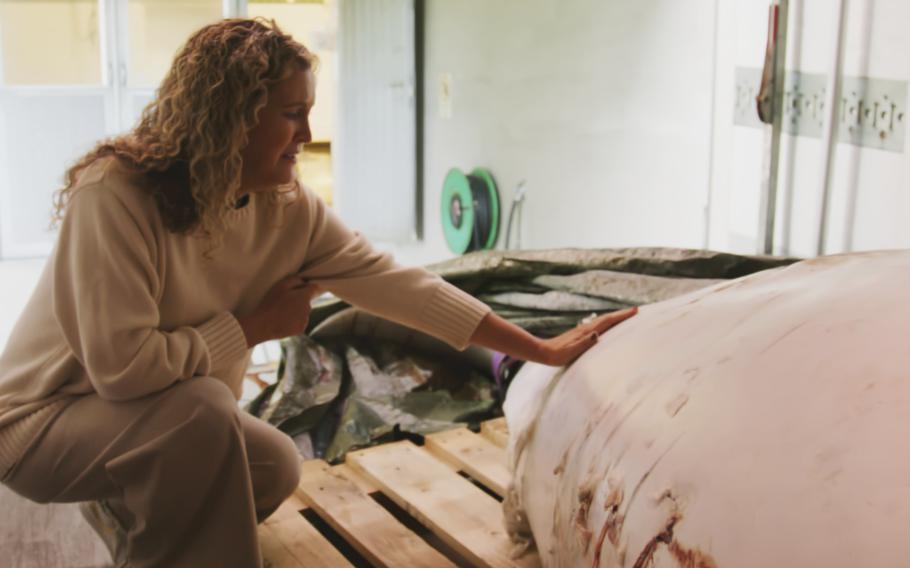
(400, 504)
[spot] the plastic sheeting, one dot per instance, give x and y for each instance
(354, 380)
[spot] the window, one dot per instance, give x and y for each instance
(313, 24)
(73, 72)
(50, 43)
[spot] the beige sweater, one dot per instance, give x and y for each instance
(125, 308)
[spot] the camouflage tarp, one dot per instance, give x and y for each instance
(349, 395)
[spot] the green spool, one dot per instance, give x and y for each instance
(490, 186)
(470, 210)
(457, 211)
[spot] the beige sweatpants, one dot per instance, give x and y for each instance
(187, 472)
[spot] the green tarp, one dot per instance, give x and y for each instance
(349, 393)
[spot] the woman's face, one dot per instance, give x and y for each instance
(284, 126)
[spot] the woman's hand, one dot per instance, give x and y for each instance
(565, 348)
(285, 311)
(500, 335)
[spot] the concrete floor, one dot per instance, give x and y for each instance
(46, 536)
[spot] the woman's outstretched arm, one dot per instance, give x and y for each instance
(498, 334)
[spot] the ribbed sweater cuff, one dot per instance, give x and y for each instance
(224, 338)
(15, 437)
(452, 315)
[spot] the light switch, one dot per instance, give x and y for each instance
(445, 95)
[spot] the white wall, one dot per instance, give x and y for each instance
(620, 116)
(604, 107)
(869, 203)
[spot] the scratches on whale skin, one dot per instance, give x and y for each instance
(691, 557)
(585, 497)
(612, 526)
(782, 337)
(691, 374)
(647, 473)
(685, 557)
(629, 413)
(676, 403)
(564, 460)
(646, 556)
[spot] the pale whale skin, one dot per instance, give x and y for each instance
(759, 422)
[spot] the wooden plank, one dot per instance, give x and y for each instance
(294, 502)
(301, 541)
(497, 431)
(463, 516)
(274, 553)
(288, 511)
(366, 525)
(473, 454)
(357, 479)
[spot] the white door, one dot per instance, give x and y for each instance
(375, 149)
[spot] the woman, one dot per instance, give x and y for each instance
(182, 245)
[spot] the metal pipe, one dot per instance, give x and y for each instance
(706, 236)
(517, 199)
(768, 209)
(829, 131)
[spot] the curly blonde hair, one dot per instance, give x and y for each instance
(188, 142)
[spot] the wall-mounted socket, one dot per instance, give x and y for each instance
(871, 113)
(804, 104)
